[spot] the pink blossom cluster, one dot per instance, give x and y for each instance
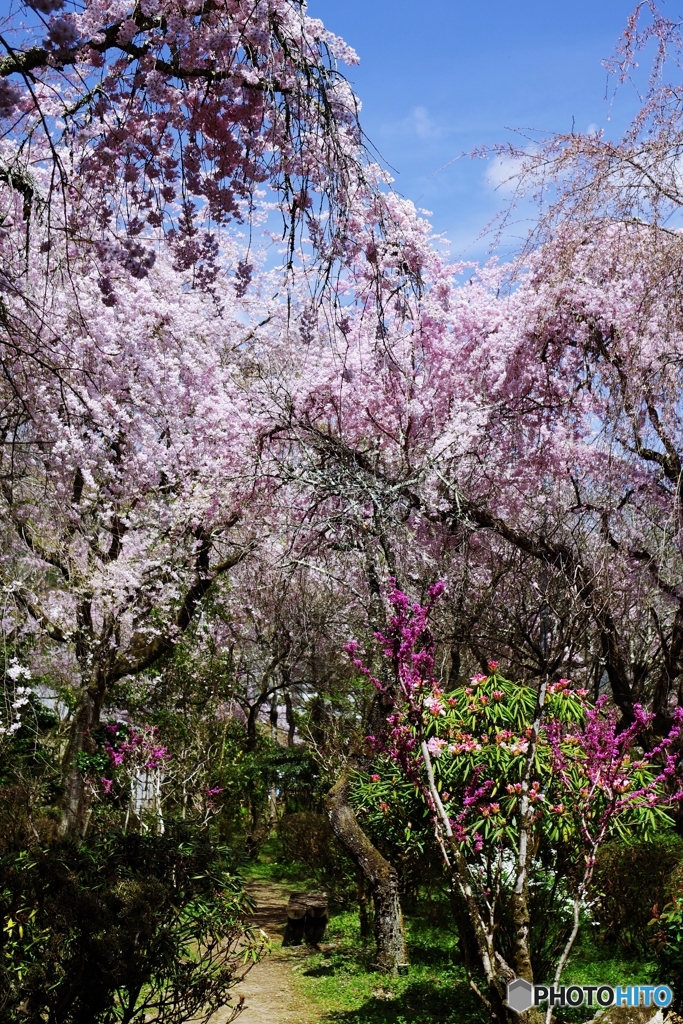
(586, 744)
(464, 743)
(131, 748)
(212, 793)
(436, 746)
(408, 646)
(433, 702)
(607, 767)
(220, 104)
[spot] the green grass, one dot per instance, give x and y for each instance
(594, 962)
(342, 981)
(268, 868)
(597, 963)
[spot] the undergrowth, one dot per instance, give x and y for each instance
(340, 979)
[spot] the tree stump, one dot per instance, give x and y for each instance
(296, 920)
(307, 917)
(316, 918)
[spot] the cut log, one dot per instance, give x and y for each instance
(307, 917)
(316, 918)
(296, 920)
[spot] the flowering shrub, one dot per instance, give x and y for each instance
(126, 757)
(16, 699)
(130, 750)
(130, 747)
(586, 779)
(516, 778)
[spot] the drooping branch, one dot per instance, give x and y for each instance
(205, 577)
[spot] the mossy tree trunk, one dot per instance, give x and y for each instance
(380, 876)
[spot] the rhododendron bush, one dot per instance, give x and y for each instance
(519, 781)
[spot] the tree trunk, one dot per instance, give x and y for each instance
(261, 827)
(380, 876)
(363, 915)
(291, 724)
(522, 925)
(77, 794)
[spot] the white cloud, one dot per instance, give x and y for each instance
(419, 123)
(502, 172)
(424, 126)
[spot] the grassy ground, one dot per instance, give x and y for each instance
(596, 963)
(593, 962)
(340, 980)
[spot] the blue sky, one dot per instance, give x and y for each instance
(441, 76)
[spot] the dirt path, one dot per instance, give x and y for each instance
(269, 991)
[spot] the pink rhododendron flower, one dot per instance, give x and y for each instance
(434, 705)
(436, 745)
